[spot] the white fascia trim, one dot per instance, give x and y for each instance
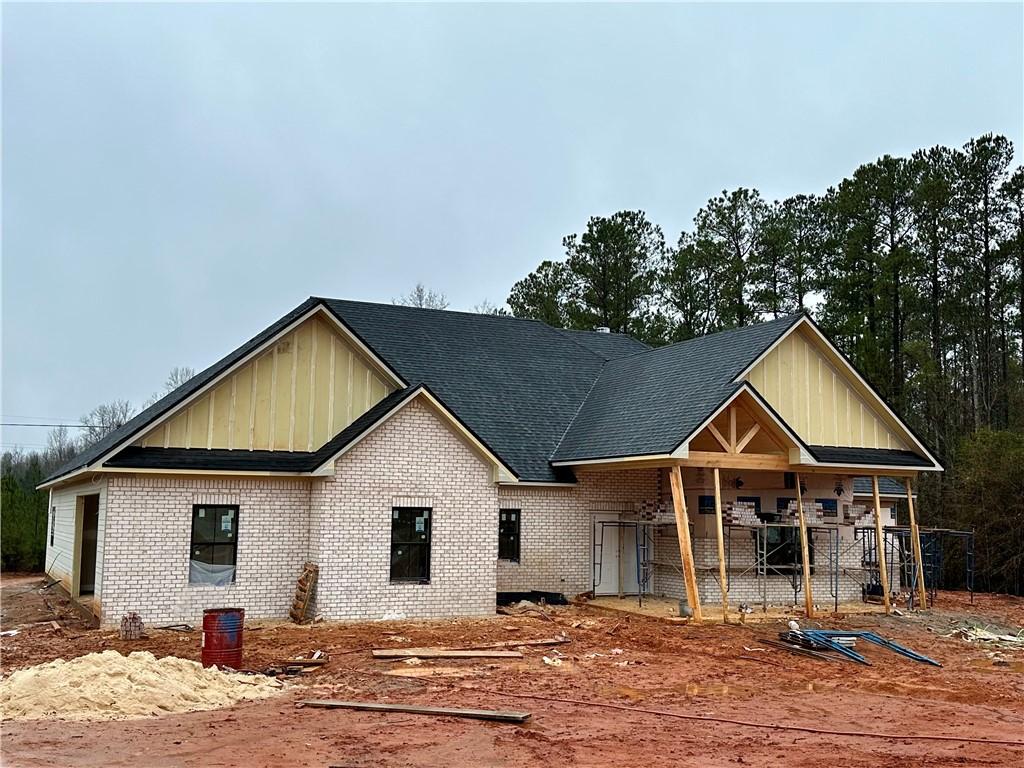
(683, 450)
(613, 460)
(804, 321)
(505, 474)
(62, 479)
(313, 311)
(882, 470)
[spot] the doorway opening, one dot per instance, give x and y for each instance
(89, 510)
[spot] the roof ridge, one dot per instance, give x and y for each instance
(434, 309)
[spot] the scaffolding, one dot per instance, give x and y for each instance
(827, 548)
(899, 558)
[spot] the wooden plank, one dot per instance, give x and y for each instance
(915, 542)
(804, 552)
(732, 429)
(768, 461)
(513, 644)
(442, 653)
(747, 437)
(475, 714)
(720, 535)
(685, 547)
(883, 567)
(718, 436)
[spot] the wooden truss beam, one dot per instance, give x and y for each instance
(883, 566)
(915, 543)
(720, 535)
(804, 551)
(685, 547)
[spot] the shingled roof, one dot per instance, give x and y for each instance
(530, 393)
(650, 403)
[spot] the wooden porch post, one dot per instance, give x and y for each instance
(804, 551)
(685, 549)
(883, 567)
(915, 542)
(720, 533)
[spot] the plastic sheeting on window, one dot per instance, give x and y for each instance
(207, 573)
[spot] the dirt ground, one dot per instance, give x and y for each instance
(632, 662)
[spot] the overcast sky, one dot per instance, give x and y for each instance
(176, 177)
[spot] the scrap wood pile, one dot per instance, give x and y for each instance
(504, 649)
(974, 633)
(300, 665)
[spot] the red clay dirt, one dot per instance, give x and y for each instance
(709, 671)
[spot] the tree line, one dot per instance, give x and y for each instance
(914, 266)
(23, 508)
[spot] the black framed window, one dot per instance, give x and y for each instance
(53, 523)
(784, 554)
(214, 547)
(410, 544)
(705, 505)
(829, 507)
(508, 534)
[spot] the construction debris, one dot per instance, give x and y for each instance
(132, 627)
(841, 642)
(442, 653)
(190, 628)
(475, 714)
(552, 661)
(305, 588)
(973, 633)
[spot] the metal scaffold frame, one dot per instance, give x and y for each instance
(899, 556)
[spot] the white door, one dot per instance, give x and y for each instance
(614, 557)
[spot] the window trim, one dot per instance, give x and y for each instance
(233, 544)
(518, 535)
(428, 545)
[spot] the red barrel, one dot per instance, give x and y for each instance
(222, 637)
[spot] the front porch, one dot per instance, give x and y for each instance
(767, 527)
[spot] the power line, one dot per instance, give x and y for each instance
(69, 426)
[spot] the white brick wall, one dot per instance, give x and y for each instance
(556, 528)
(413, 459)
(148, 532)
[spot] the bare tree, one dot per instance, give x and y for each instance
(104, 419)
(424, 298)
(60, 446)
(178, 376)
(485, 307)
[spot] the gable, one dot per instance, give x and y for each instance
(820, 399)
(741, 427)
(296, 395)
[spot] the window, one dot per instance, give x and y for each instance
(706, 505)
(508, 534)
(783, 544)
(214, 545)
(53, 523)
(410, 544)
(829, 507)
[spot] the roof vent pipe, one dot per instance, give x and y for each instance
(602, 329)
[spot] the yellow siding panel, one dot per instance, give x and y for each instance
(295, 396)
(821, 403)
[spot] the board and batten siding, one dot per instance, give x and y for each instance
(821, 403)
(61, 557)
(295, 396)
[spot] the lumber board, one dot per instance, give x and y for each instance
(685, 548)
(804, 552)
(915, 545)
(883, 566)
(512, 644)
(442, 653)
(475, 714)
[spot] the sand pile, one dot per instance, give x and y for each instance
(109, 686)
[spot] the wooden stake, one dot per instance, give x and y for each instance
(720, 534)
(915, 543)
(685, 549)
(804, 551)
(883, 567)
